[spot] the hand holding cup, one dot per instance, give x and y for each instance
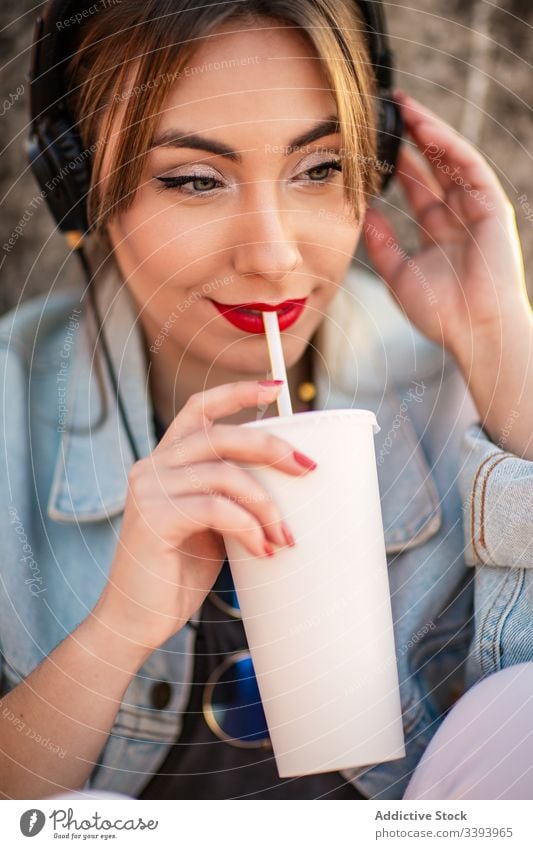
(181, 499)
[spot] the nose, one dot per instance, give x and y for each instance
(264, 246)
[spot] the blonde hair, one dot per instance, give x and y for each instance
(160, 36)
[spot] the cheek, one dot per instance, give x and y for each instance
(152, 232)
(173, 241)
(151, 249)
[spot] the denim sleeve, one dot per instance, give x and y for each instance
(497, 494)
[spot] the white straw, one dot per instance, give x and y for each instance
(277, 363)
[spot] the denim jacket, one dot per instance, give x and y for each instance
(451, 500)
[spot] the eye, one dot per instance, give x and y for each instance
(321, 173)
(203, 184)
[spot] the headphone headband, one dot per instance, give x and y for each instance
(54, 147)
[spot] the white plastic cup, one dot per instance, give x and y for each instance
(318, 616)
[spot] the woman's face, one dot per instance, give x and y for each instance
(255, 220)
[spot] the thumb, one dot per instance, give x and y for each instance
(387, 256)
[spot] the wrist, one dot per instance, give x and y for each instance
(119, 645)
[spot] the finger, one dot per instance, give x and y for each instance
(203, 408)
(394, 265)
(419, 184)
(234, 442)
(224, 479)
(201, 512)
(387, 256)
(425, 197)
(402, 97)
(450, 155)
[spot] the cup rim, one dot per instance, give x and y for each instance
(364, 416)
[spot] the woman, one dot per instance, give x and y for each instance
(118, 557)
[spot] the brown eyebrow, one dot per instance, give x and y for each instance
(175, 138)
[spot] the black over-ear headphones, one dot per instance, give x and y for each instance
(62, 167)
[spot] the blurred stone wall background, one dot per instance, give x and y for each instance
(468, 60)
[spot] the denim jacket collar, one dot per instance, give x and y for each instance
(94, 456)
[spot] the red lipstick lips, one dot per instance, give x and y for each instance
(248, 316)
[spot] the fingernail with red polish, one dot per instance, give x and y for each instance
(288, 536)
(304, 461)
(268, 549)
(270, 382)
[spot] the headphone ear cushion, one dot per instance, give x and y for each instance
(62, 170)
(74, 157)
(389, 138)
(75, 169)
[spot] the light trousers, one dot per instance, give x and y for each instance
(484, 747)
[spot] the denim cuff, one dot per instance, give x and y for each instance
(497, 494)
